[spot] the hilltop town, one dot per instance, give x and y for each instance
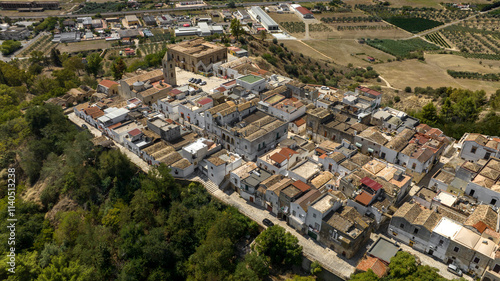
(354, 167)
(332, 164)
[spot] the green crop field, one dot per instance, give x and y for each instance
(413, 25)
(436, 38)
(401, 48)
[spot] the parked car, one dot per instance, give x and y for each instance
(267, 222)
(454, 269)
(325, 88)
(84, 126)
(203, 83)
(197, 81)
(191, 80)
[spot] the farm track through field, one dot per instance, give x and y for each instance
(422, 34)
(388, 85)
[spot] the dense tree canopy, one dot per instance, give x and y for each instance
(280, 246)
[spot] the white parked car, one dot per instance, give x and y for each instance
(325, 88)
(454, 269)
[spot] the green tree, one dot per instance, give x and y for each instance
(55, 57)
(10, 46)
(258, 264)
(316, 268)
(280, 246)
(63, 269)
(74, 64)
(94, 62)
(429, 114)
(212, 260)
(118, 68)
(236, 28)
(69, 228)
(495, 100)
(408, 89)
(263, 35)
(447, 111)
(301, 278)
(402, 265)
(365, 276)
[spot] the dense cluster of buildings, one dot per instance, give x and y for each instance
(334, 165)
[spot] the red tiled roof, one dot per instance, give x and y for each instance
(278, 158)
(135, 132)
(288, 152)
(174, 92)
(299, 122)
(94, 111)
(376, 265)
(303, 10)
(221, 89)
(115, 125)
(205, 101)
(323, 156)
(434, 132)
(369, 91)
(107, 83)
(422, 128)
(301, 185)
(371, 183)
(321, 151)
(480, 226)
(229, 83)
(364, 198)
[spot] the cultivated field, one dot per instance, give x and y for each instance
(83, 46)
(347, 51)
(422, 74)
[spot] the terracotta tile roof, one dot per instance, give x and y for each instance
(135, 132)
(369, 91)
(107, 83)
(423, 128)
(364, 198)
(278, 157)
(115, 125)
(480, 226)
(299, 122)
(205, 101)
(301, 185)
(288, 152)
(376, 265)
(485, 214)
(174, 92)
(303, 10)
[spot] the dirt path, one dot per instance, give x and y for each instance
(387, 84)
